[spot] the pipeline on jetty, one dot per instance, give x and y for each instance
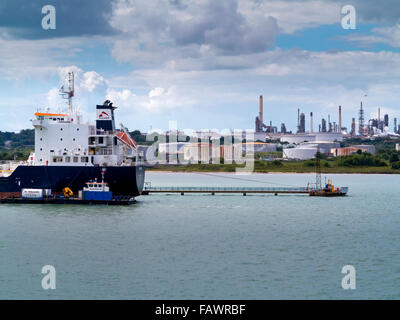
(213, 190)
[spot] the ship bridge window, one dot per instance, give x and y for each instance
(67, 159)
(57, 159)
(76, 159)
(84, 159)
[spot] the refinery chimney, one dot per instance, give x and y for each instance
(379, 119)
(302, 123)
(261, 109)
(298, 119)
(311, 124)
(340, 119)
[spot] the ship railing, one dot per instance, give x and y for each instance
(237, 189)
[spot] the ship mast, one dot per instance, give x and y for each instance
(69, 93)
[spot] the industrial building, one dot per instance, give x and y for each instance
(316, 136)
(147, 153)
(345, 151)
(307, 150)
(259, 147)
(207, 153)
(336, 130)
(169, 147)
(332, 134)
(260, 126)
(372, 127)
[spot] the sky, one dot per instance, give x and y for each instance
(202, 63)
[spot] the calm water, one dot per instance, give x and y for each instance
(214, 247)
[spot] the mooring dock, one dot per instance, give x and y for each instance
(213, 190)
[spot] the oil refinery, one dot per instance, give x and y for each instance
(303, 143)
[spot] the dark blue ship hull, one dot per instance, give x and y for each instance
(126, 181)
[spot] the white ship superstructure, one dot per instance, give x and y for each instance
(61, 139)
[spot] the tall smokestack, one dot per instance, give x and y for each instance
(329, 123)
(261, 109)
(298, 119)
(311, 124)
(379, 116)
(340, 119)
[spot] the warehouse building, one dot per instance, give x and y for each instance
(338, 152)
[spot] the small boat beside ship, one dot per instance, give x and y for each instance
(93, 193)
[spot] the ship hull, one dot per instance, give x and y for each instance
(123, 180)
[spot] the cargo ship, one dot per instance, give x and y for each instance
(69, 153)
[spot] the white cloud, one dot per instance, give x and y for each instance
(315, 81)
(293, 16)
(156, 92)
(35, 58)
(193, 59)
(92, 80)
(157, 32)
(386, 35)
(157, 100)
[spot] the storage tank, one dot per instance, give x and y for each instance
(297, 138)
(299, 153)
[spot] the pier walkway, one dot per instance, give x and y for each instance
(213, 190)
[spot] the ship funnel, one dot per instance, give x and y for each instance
(105, 120)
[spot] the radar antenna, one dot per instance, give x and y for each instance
(69, 93)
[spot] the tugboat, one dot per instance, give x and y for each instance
(97, 190)
(329, 190)
(69, 152)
